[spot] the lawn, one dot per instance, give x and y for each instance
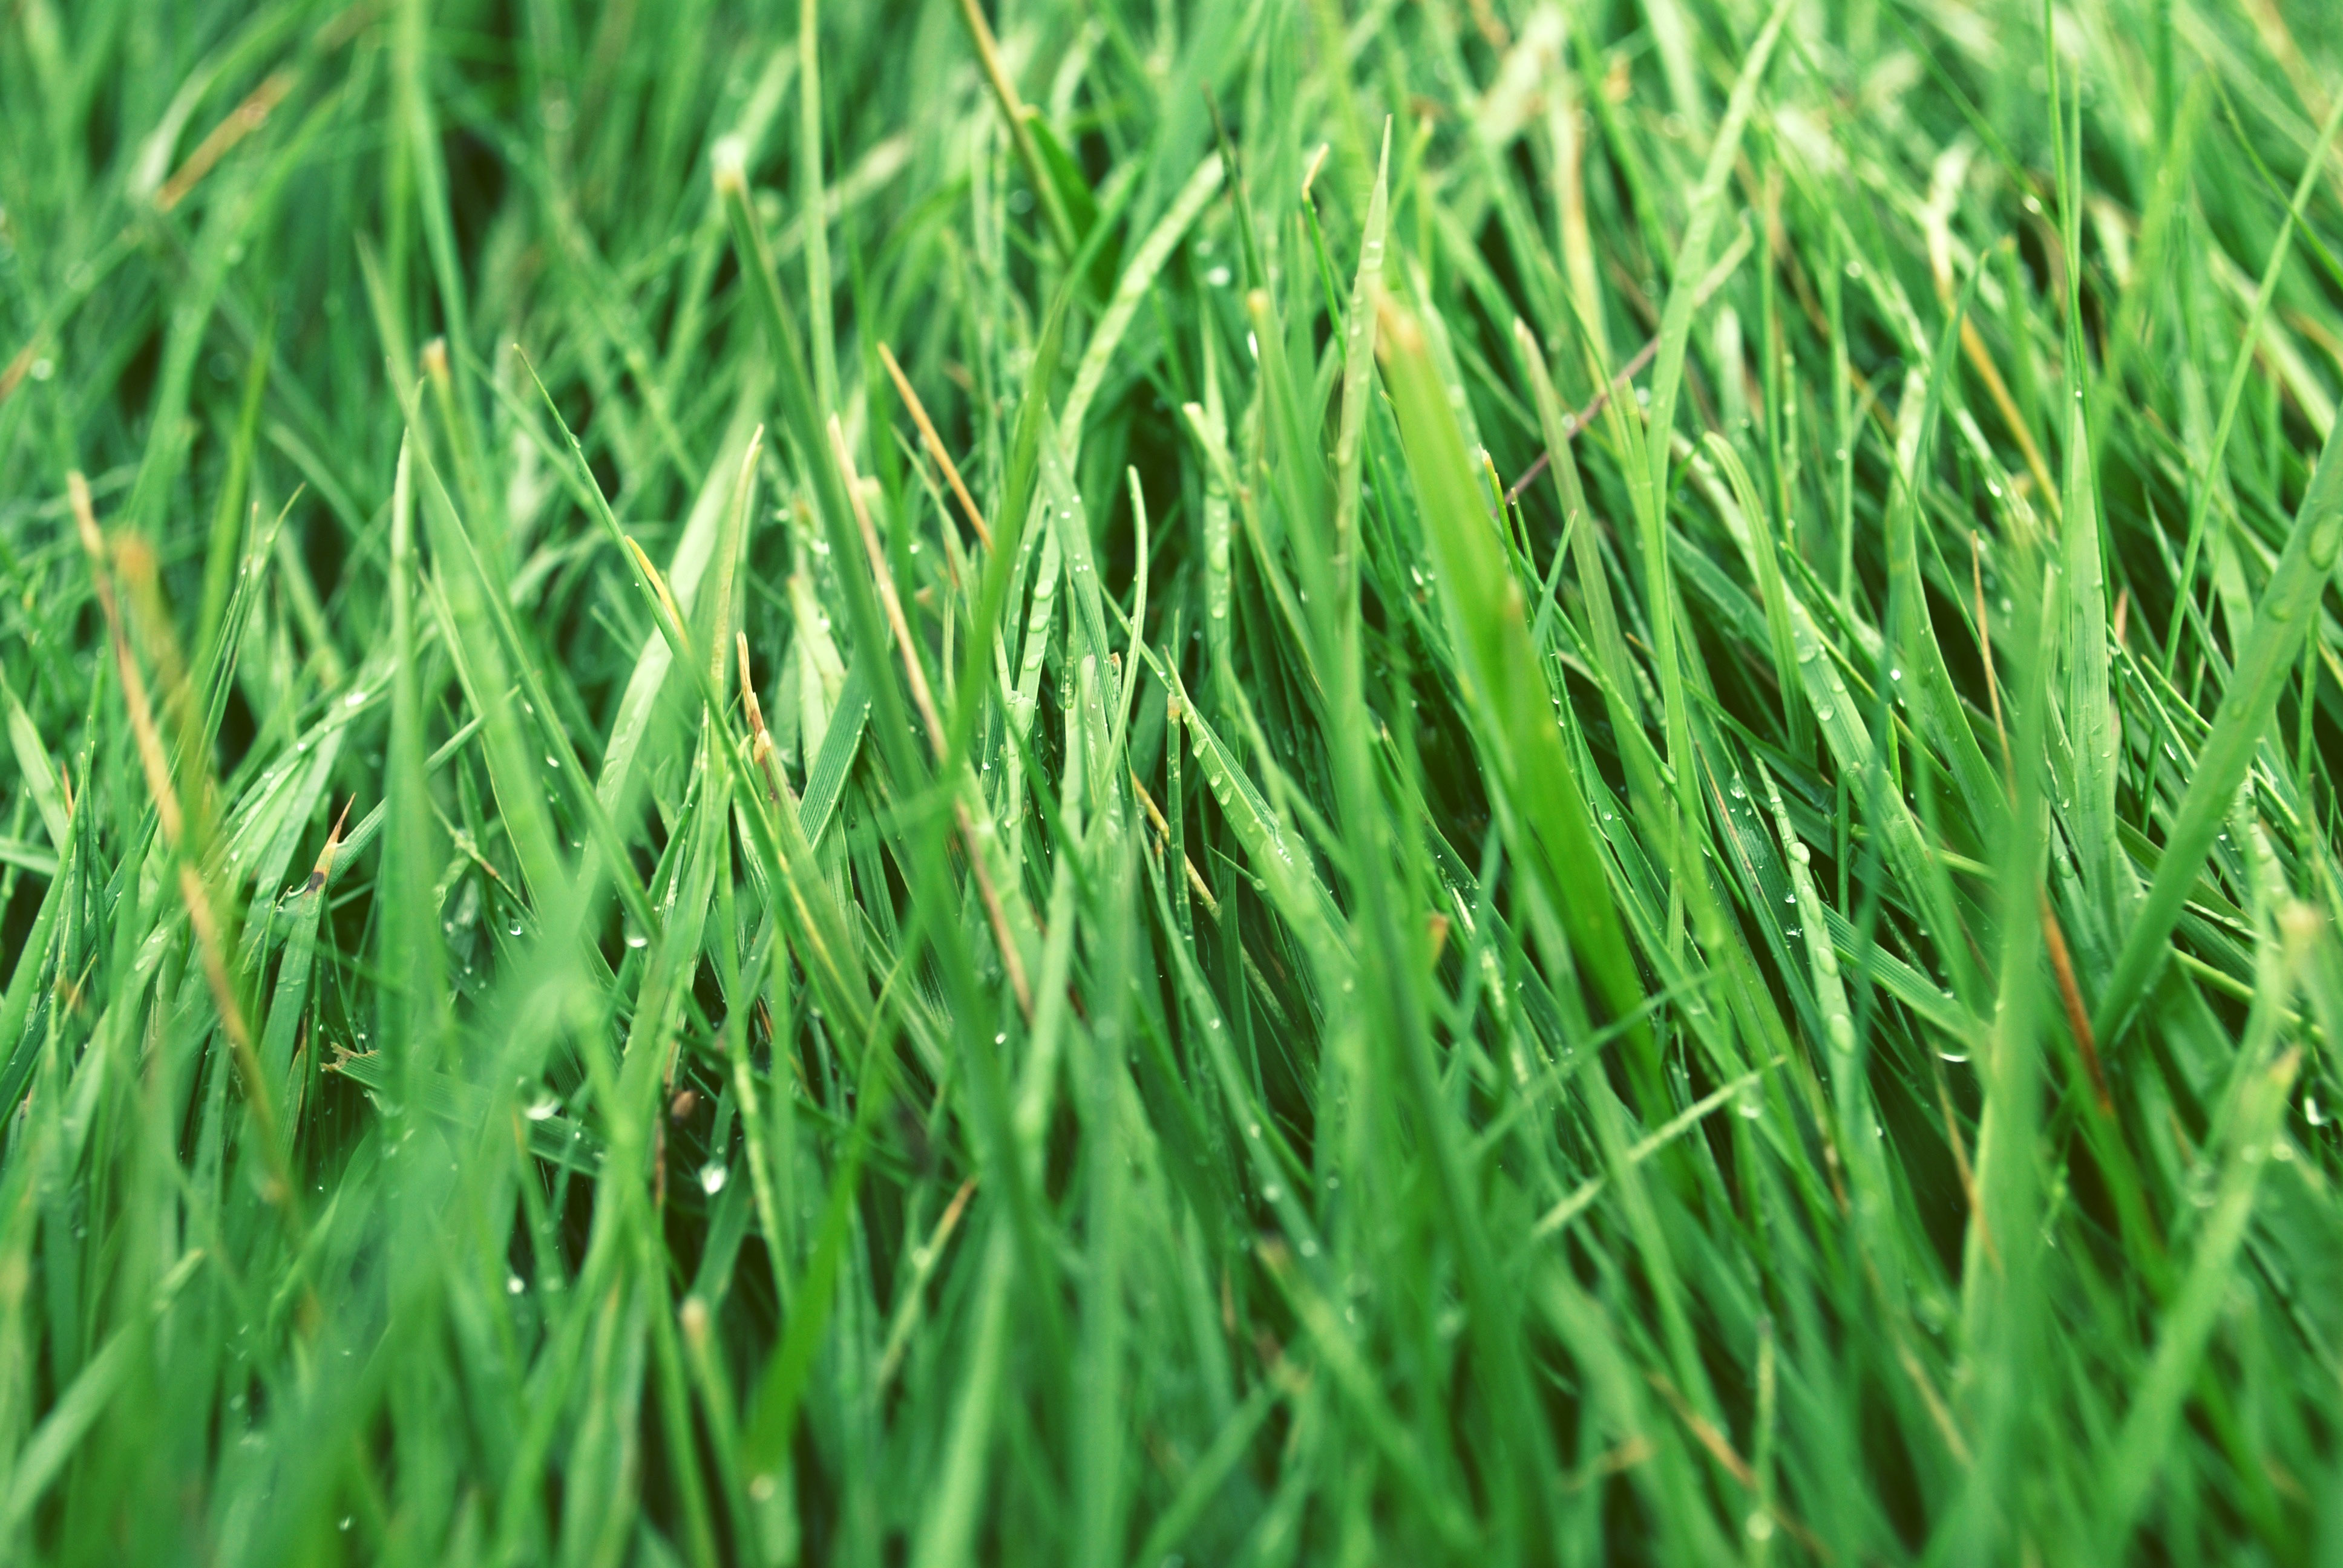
(1160, 782)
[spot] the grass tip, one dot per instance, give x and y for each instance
(727, 159)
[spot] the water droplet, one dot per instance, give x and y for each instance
(711, 1178)
(515, 1284)
(512, 927)
(355, 699)
(542, 1109)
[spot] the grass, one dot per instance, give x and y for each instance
(1234, 782)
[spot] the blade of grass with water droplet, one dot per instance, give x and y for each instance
(32, 765)
(1522, 748)
(2288, 606)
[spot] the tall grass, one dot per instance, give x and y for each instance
(1140, 783)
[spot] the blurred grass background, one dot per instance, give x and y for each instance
(1169, 781)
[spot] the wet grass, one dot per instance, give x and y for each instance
(1142, 783)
